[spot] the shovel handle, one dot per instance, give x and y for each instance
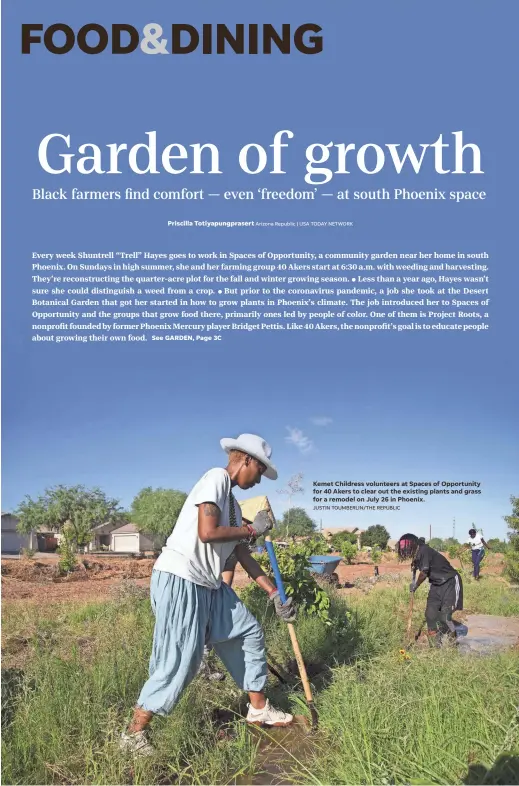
(410, 614)
(291, 630)
(275, 568)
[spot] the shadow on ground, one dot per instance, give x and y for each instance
(12, 686)
(504, 772)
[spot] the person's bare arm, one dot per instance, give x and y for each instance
(420, 580)
(210, 530)
(253, 569)
(485, 544)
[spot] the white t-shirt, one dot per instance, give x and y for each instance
(476, 542)
(184, 553)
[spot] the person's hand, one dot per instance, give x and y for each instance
(287, 611)
(261, 524)
(412, 586)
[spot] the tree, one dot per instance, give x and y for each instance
(340, 538)
(497, 545)
(512, 552)
(79, 508)
(376, 535)
(436, 543)
(448, 542)
(156, 511)
(295, 522)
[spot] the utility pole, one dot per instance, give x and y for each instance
(430, 532)
(454, 529)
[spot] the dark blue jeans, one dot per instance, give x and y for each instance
(477, 556)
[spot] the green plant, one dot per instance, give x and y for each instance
(370, 741)
(376, 555)
(77, 507)
(308, 595)
(27, 553)
(437, 543)
(66, 550)
(295, 522)
(85, 664)
(317, 543)
(155, 511)
(348, 551)
(512, 552)
(453, 550)
(456, 551)
(497, 546)
(377, 535)
(451, 542)
(340, 538)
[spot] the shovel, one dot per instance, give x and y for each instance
(410, 612)
(292, 632)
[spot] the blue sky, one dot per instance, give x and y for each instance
(363, 407)
(160, 426)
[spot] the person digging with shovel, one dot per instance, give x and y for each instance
(193, 607)
(446, 588)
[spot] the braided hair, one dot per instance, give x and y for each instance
(408, 545)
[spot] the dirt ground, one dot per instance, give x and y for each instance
(37, 580)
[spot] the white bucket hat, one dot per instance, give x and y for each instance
(254, 446)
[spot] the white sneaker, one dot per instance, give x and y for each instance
(268, 716)
(136, 743)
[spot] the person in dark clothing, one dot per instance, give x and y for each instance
(446, 588)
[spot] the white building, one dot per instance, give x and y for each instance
(12, 540)
(128, 539)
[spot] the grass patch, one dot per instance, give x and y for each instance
(432, 719)
(70, 689)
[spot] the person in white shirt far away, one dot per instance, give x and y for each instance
(478, 546)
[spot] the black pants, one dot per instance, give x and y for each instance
(442, 600)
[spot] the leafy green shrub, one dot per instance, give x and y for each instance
(376, 555)
(318, 544)
(497, 546)
(340, 538)
(437, 543)
(512, 560)
(453, 551)
(512, 552)
(297, 579)
(349, 552)
(66, 551)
